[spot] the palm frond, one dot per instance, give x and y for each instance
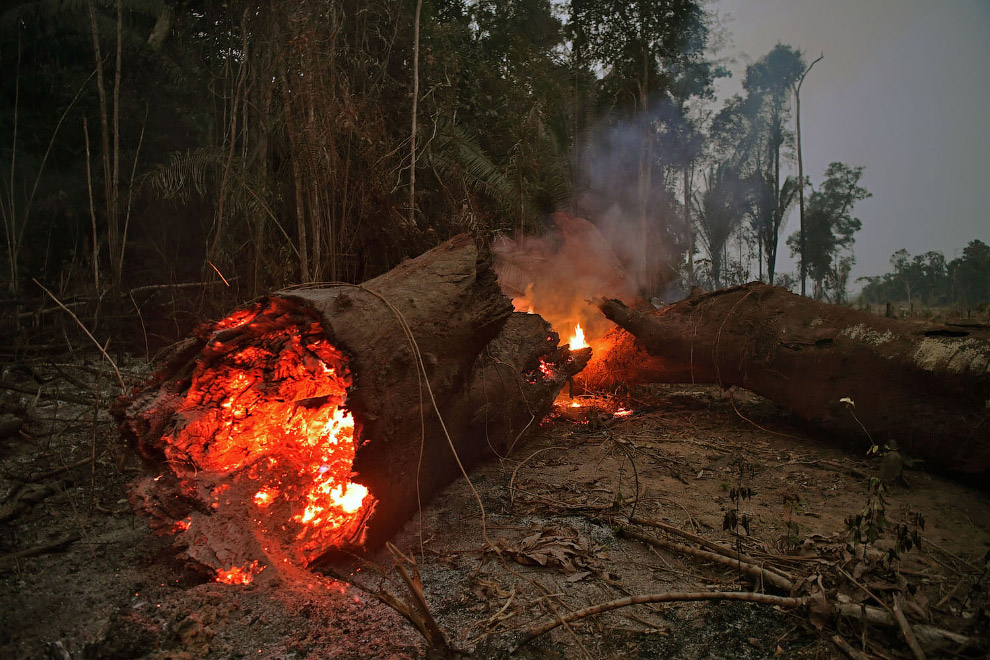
(457, 152)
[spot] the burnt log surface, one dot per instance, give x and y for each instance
(491, 373)
(925, 387)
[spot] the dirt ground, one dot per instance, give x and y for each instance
(84, 577)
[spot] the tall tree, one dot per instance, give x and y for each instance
(518, 102)
(970, 275)
(653, 52)
(831, 229)
(800, 161)
(769, 82)
(719, 212)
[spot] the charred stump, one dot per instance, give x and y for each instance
(924, 387)
(305, 423)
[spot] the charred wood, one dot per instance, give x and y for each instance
(434, 361)
(922, 388)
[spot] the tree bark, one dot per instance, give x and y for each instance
(492, 373)
(412, 132)
(925, 387)
(687, 223)
(797, 119)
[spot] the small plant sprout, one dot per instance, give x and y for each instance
(869, 525)
(792, 530)
(875, 449)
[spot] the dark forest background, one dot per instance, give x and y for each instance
(161, 161)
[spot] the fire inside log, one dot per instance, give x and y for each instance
(302, 425)
(924, 387)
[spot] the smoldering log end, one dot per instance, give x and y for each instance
(924, 387)
(297, 426)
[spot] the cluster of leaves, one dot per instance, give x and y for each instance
(271, 139)
(792, 530)
(870, 525)
(908, 536)
(748, 196)
(734, 520)
(562, 547)
(829, 231)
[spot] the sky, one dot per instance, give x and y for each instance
(903, 89)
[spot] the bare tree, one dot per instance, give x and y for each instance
(412, 133)
(801, 183)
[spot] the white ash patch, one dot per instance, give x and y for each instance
(817, 321)
(953, 355)
(867, 335)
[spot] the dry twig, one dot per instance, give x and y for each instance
(120, 379)
(671, 597)
(58, 396)
(512, 479)
(714, 547)
(905, 627)
(418, 614)
(925, 634)
(849, 649)
(761, 574)
(54, 546)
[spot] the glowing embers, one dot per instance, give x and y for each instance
(263, 430)
(238, 318)
(238, 574)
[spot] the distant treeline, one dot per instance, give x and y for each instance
(928, 279)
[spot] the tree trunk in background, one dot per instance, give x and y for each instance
(797, 119)
(412, 132)
(801, 243)
(297, 178)
(687, 223)
(925, 387)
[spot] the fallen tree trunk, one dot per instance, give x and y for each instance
(303, 425)
(925, 387)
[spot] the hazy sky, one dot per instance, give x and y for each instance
(904, 89)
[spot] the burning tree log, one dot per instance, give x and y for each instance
(927, 388)
(302, 424)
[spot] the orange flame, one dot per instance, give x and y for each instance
(238, 574)
(267, 417)
(265, 496)
(577, 339)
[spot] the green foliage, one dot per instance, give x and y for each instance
(455, 152)
(719, 212)
(650, 48)
(970, 275)
(792, 530)
(870, 524)
(272, 140)
(829, 230)
(769, 82)
(929, 280)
